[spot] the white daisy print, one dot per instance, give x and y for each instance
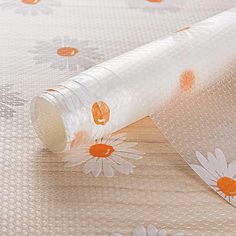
(65, 53)
(151, 230)
(8, 100)
(101, 118)
(153, 6)
(30, 7)
(104, 156)
(216, 172)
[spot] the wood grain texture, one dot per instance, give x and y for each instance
(179, 199)
(162, 191)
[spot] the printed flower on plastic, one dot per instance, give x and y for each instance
(66, 54)
(160, 6)
(30, 7)
(150, 231)
(101, 113)
(105, 155)
(8, 100)
(187, 80)
(215, 171)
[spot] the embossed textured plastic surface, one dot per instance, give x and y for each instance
(44, 43)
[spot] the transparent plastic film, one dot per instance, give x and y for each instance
(186, 82)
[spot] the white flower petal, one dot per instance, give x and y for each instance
(203, 161)
(66, 41)
(213, 163)
(97, 167)
(115, 143)
(139, 231)
(232, 169)
(211, 158)
(131, 150)
(98, 133)
(221, 161)
(152, 230)
(125, 145)
(162, 232)
(233, 201)
(119, 160)
(107, 168)
(89, 165)
(124, 168)
(203, 174)
(128, 154)
(116, 139)
(103, 139)
(94, 166)
(207, 164)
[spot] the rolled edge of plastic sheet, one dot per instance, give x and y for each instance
(186, 82)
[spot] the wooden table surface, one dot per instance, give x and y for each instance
(44, 198)
(168, 194)
(162, 191)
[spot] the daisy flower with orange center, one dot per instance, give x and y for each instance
(101, 118)
(216, 172)
(30, 7)
(104, 156)
(151, 230)
(65, 53)
(156, 5)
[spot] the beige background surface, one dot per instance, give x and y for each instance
(38, 196)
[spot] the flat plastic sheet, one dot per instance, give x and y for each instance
(185, 81)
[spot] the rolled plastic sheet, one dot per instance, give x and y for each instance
(185, 82)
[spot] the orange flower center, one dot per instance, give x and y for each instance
(32, 2)
(101, 113)
(187, 80)
(67, 51)
(227, 186)
(101, 150)
(155, 1)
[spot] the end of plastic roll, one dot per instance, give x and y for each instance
(48, 124)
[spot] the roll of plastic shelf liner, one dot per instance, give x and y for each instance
(187, 84)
